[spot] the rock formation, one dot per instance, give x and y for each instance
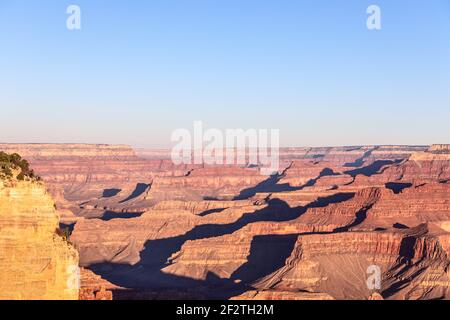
(323, 227)
(35, 261)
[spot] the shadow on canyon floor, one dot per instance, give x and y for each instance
(373, 168)
(360, 216)
(109, 193)
(110, 215)
(211, 211)
(271, 185)
(398, 187)
(267, 254)
(360, 161)
(139, 190)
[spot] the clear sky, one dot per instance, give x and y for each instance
(137, 70)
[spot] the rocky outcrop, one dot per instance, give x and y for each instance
(93, 287)
(35, 261)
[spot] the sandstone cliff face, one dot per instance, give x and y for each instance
(35, 262)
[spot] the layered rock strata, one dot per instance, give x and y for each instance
(35, 261)
(318, 229)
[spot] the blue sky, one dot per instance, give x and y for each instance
(137, 70)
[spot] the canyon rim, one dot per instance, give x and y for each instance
(136, 226)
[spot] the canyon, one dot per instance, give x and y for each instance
(145, 228)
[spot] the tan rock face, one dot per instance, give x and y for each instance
(35, 262)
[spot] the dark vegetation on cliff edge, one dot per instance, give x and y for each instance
(13, 162)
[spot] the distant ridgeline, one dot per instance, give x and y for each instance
(13, 166)
(439, 148)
